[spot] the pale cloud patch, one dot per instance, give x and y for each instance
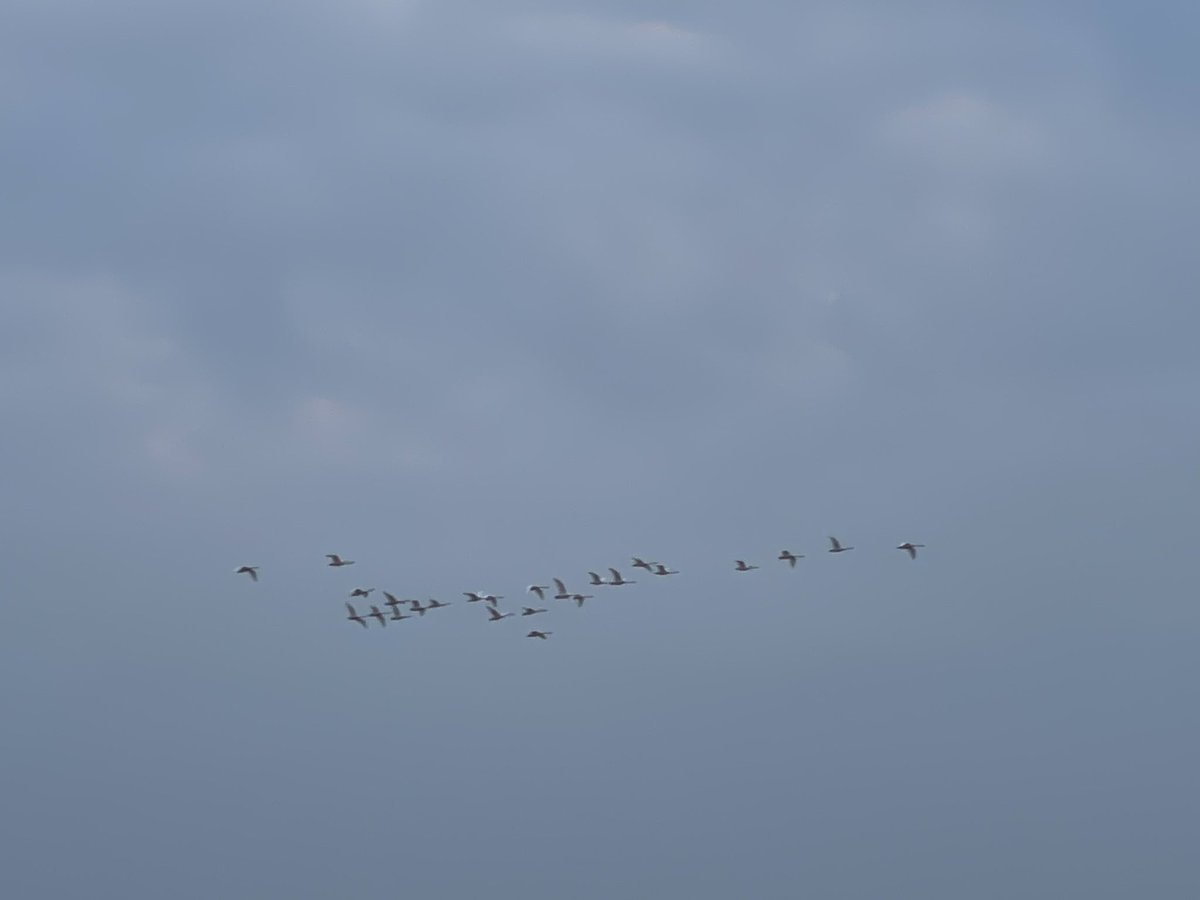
(965, 131)
(653, 40)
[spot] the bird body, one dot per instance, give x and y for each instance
(642, 564)
(361, 592)
(540, 634)
(596, 580)
(835, 546)
(617, 580)
(539, 589)
(743, 567)
(252, 571)
(435, 604)
(496, 615)
(335, 560)
(529, 611)
(790, 557)
(355, 617)
(910, 548)
(579, 598)
(563, 593)
(660, 569)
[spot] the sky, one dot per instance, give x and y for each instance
(480, 294)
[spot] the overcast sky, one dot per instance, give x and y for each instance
(479, 294)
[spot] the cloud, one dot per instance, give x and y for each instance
(966, 131)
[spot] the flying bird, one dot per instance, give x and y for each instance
(435, 604)
(355, 617)
(596, 579)
(742, 567)
(397, 615)
(642, 564)
(790, 557)
(529, 611)
(910, 548)
(563, 593)
(472, 597)
(835, 546)
(579, 598)
(392, 600)
(492, 598)
(415, 606)
(335, 560)
(375, 613)
(539, 589)
(540, 634)
(252, 571)
(361, 592)
(617, 580)
(660, 569)
(496, 615)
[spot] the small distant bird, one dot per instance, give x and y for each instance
(642, 564)
(539, 589)
(375, 613)
(335, 560)
(910, 548)
(563, 593)
(496, 615)
(790, 557)
(617, 580)
(579, 598)
(660, 569)
(492, 598)
(742, 567)
(835, 546)
(435, 604)
(596, 579)
(252, 571)
(530, 611)
(415, 606)
(472, 597)
(361, 592)
(397, 615)
(540, 634)
(392, 600)
(355, 617)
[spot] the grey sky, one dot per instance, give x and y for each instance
(481, 294)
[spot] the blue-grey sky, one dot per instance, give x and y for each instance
(478, 294)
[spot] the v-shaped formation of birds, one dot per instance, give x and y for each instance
(407, 609)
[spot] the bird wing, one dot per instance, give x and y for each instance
(834, 543)
(616, 576)
(562, 588)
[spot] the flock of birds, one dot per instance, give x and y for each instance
(406, 609)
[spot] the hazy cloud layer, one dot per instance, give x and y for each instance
(485, 293)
